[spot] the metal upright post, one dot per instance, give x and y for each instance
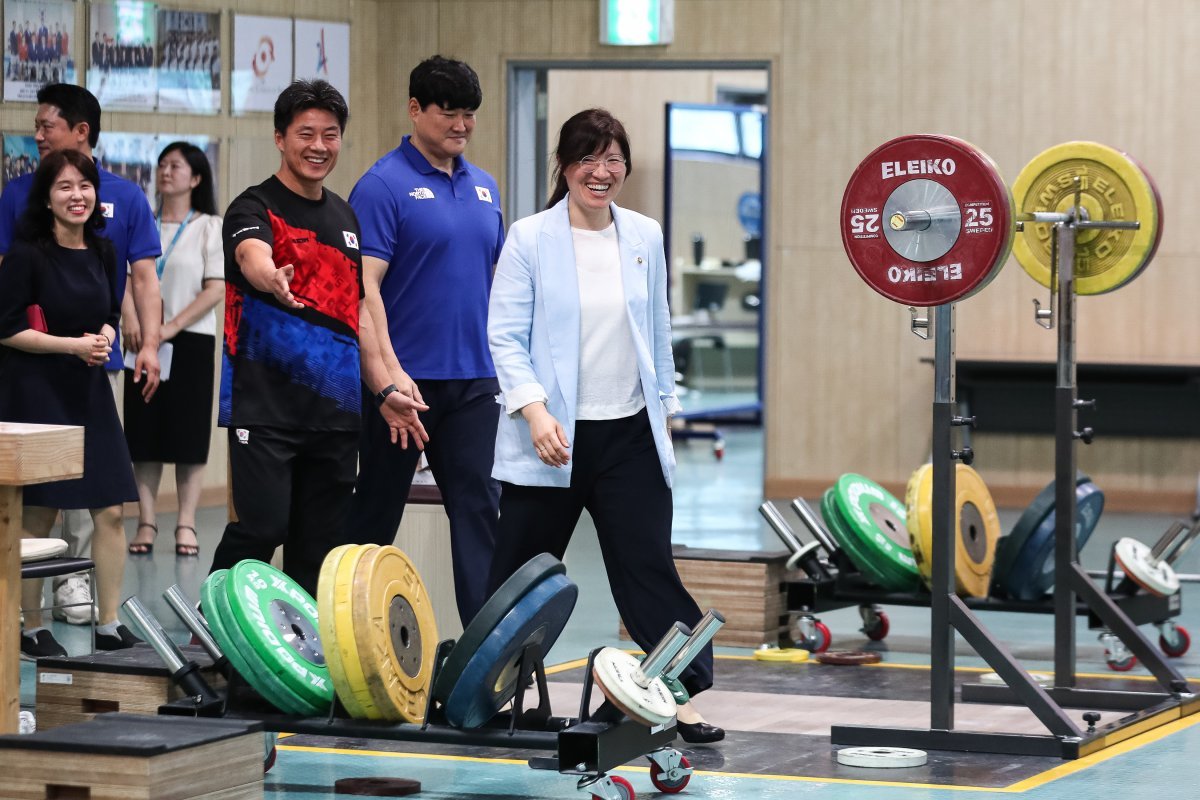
(1065, 415)
(941, 648)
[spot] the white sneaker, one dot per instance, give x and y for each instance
(73, 589)
(27, 723)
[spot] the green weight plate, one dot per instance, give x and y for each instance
(279, 619)
(239, 651)
(1010, 546)
(877, 519)
(870, 569)
(532, 573)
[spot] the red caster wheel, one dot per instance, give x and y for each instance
(822, 638)
(269, 761)
(1174, 642)
(1122, 664)
(624, 788)
(668, 786)
(719, 449)
(877, 627)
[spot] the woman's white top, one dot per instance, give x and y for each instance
(198, 256)
(609, 387)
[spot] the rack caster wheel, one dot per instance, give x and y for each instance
(671, 781)
(611, 787)
(810, 634)
(875, 623)
(1116, 655)
(1174, 639)
(718, 449)
(270, 751)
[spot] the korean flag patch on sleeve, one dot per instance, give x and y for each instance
(484, 193)
(351, 239)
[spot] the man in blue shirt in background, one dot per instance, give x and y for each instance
(432, 231)
(68, 118)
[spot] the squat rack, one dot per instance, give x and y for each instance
(949, 613)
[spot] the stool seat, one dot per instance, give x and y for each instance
(55, 566)
(40, 549)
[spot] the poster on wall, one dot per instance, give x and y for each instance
(20, 156)
(262, 62)
(323, 51)
(132, 156)
(121, 69)
(37, 48)
(189, 61)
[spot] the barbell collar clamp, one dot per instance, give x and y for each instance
(966, 455)
(656, 661)
(968, 421)
(702, 634)
(1085, 435)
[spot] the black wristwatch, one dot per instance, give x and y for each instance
(381, 395)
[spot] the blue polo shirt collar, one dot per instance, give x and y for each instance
(421, 164)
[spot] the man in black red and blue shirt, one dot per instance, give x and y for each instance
(295, 337)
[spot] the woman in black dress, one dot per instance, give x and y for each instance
(58, 312)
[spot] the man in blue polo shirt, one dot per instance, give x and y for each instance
(68, 118)
(432, 231)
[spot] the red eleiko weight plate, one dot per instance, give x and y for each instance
(927, 220)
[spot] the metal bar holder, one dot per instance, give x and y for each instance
(950, 614)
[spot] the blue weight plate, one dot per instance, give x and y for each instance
(533, 572)
(489, 679)
(1032, 572)
(1011, 545)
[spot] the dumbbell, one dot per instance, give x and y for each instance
(185, 673)
(803, 554)
(637, 688)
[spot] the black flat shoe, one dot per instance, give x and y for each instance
(699, 732)
(118, 641)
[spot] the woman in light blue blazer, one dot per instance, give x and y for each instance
(580, 334)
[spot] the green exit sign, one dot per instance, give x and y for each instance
(637, 22)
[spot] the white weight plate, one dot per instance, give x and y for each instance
(613, 671)
(1157, 578)
(42, 549)
(1043, 679)
(794, 561)
(881, 757)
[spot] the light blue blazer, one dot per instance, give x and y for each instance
(533, 331)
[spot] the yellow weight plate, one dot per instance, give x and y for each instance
(1113, 187)
(327, 608)
(976, 523)
(783, 655)
(353, 681)
(396, 633)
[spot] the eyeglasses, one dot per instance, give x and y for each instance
(614, 164)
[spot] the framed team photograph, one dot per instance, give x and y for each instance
(323, 51)
(121, 67)
(132, 156)
(20, 156)
(189, 61)
(262, 62)
(37, 47)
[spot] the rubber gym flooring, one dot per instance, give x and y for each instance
(777, 716)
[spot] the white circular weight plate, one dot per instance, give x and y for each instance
(1134, 558)
(651, 705)
(881, 757)
(1043, 679)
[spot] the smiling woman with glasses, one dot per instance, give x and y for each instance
(581, 337)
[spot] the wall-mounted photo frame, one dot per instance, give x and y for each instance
(121, 46)
(262, 62)
(323, 51)
(37, 46)
(132, 156)
(20, 156)
(189, 61)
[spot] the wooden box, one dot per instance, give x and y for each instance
(745, 586)
(134, 680)
(135, 757)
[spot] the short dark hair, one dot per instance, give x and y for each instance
(586, 134)
(303, 95)
(446, 83)
(203, 199)
(37, 223)
(75, 104)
